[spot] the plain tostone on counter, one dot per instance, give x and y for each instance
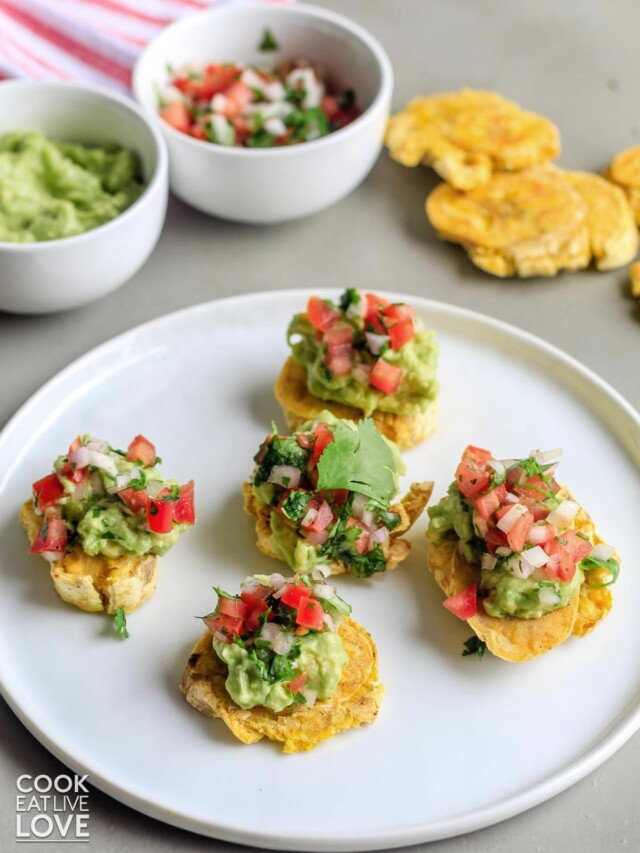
(575, 64)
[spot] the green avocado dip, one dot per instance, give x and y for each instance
(51, 189)
(329, 489)
(280, 641)
(533, 546)
(112, 502)
(366, 353)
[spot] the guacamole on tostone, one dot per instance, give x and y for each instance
(51, 189)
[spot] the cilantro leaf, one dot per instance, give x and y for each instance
(268, 41)
(474, 646)
(120, 623)
(295, 505)
(588, 564)
(298, 699)
(359, 460)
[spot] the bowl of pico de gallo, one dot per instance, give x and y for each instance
(270, 112)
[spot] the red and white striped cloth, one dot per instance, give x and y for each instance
(96, 41)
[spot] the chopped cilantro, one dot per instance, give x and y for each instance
(298, 699)
(474, 646)
(258, 94)
(108, 535)
(294, 95)
(268, 41)
(341, 545)
(390, 519)
(120, 623)
(359, 460)
(260, 139)
(294, 505)
(348, 298)
(222, 594)
(279, 451)
(588, 564)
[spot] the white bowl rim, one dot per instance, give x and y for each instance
(161, 169)
(307, 10)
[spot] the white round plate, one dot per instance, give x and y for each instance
(460, 743)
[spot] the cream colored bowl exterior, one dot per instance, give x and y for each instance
(56, 275)
(271, 185)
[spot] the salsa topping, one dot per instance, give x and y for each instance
(365, 351)
(110, 501)
(276, 627)
(330, 487)
(256, 106)
(514, 520)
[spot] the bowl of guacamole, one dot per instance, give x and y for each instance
(83, 194)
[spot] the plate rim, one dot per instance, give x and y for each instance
(610, 739)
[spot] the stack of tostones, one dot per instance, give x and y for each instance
(467, 136)
(625, 171)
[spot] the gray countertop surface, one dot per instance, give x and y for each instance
(577, 64)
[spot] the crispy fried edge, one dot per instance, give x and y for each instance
(396, 549)
(299, 406)
(356, 700)
(97, 583)
(518, 640)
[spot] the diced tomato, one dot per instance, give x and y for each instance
(489, 502)
(135, 500)
(495, 539)
(322, 520)
(534, 488)
(47, 491)
(238, 96)
(298, 683)
(321, 315)
(323, 436)
(464, 604)
(159, 516)
(76, 475)
(225, 625)
(310, 614)
(398, 313)
(330, 107)
(503, 510)
(471, 479)
(295, 594)
(252, 619)
(142, 450)
(178, 116)
(232, 607)
(561, 565)
(401, 333)
(538, 510)
(375, 304)
(340, 496)
(75, 444)
(304, 440)
(362, 542)
(478, 453)
(215, 79)
(198, 132)
(386, 377)
(544, 533)
(52, 536)
(256, 597)
(338, 334)
(242, 128)
(517, 535)
(184, 511)
(578, 547)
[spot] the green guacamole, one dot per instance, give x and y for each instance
(418, 360)
(503, 594)
(50, 189)
(322, 657)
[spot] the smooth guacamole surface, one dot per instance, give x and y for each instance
(51, 189)
(322, 657)
(418, 360)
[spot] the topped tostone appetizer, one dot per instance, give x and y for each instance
(362, 357)
(517, 556)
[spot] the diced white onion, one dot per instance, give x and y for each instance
(563, 515)
(279, 641)
(309, 517)
(368, 517)
(313, 538)
(544, 457)
(358, 505)
(310, 696)
(51, 556)
(548, 596)
(328, 621)
(251, 79)
(376, 342)
(538, 534)
(511, 498)
(536, 556)
(304, 78)
(323, 590)
(279, 109)
(602, 552)
(321, 571)
(285, 475)
(357, 308)
(275, 126)
(98, 445)
(488, 562)
(154, 488)
(498, 467)
(380, 535)
(509, 518)
(519, 567)
(276, 580)
(123, 479)
(82, 457)
(249, 584)
(219, 103)
(503, 551)
(224, 133)
(274, 91)
(280, 592)
(171, 94)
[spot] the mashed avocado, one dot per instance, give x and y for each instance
(50, 190)
(509, 596)
(292, 548)
(418, 359)
(114, 533)
(453, 514)
(322, 657)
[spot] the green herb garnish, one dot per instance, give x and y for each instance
(120, 623)
(268, 41)
(474, 646)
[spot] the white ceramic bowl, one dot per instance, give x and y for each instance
(274, 184)
(54, 275)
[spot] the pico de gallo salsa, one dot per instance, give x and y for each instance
(532, 543)
(279, 638)
(255, 106)
(366, 352)
(111, 502)
(329, 489)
